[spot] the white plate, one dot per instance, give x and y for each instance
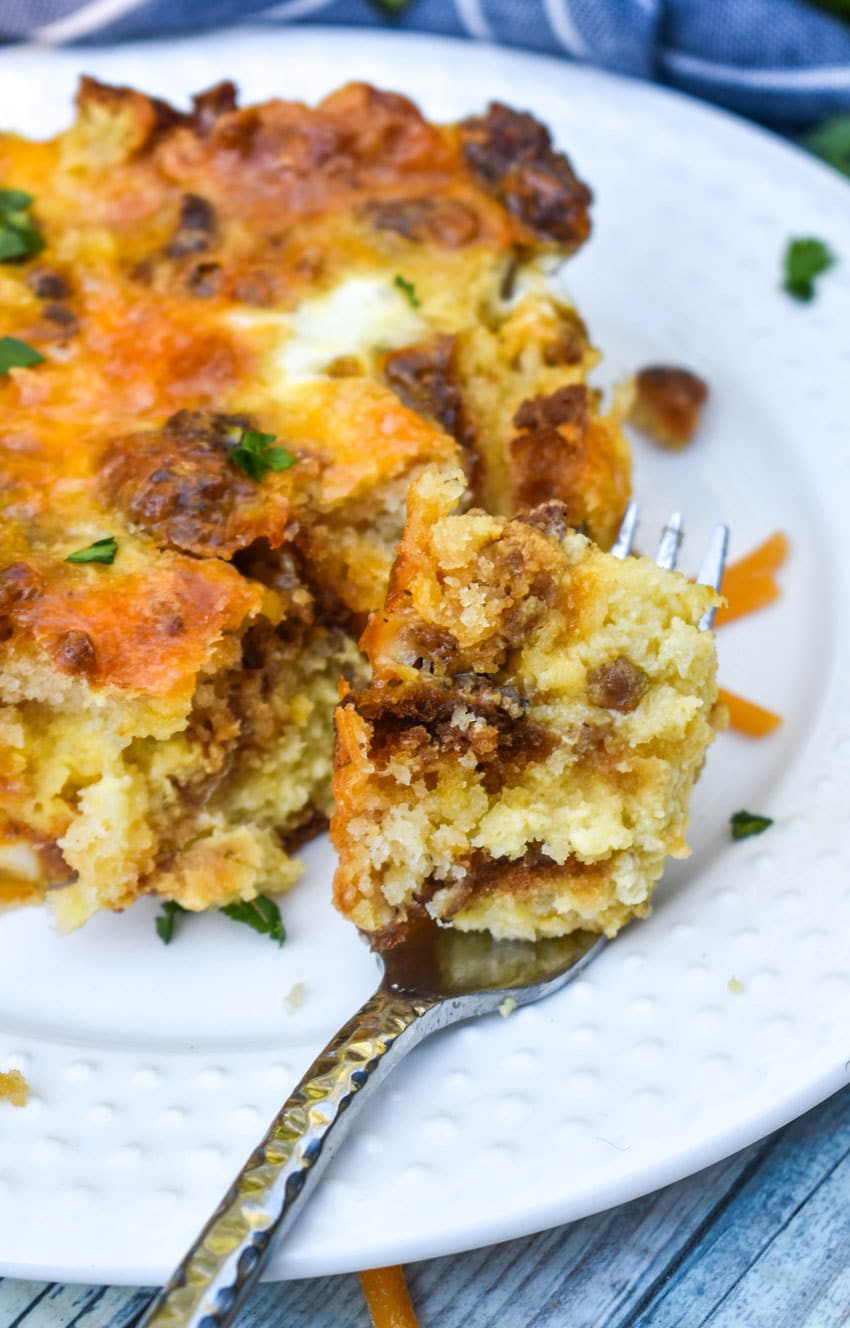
(155, 1069)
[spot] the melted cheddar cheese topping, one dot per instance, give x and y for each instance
(363, 288)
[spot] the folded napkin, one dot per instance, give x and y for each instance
(783, 61)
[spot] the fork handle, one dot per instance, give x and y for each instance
(211, 1282)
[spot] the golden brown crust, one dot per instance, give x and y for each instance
(282, 161)
(158, 209)
(562, 451)
(147, 631)
(143, 117)
(515, 574)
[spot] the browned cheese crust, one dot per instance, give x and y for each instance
(358, 285)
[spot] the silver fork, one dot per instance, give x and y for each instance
(436, 978)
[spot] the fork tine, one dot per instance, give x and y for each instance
(671, 538)
(622, 546)
(711, 569)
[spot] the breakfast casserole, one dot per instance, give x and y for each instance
(230, 340)
(522, 759)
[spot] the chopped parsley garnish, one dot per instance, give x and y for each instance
(15, 354)
(407, 289)
(102, 551)
(746, 824)
(831, 142)
(166, 920)
(255, 455)
(262, 914)
(14, 200)
(804, 260)
(19, 235)
(391, 6)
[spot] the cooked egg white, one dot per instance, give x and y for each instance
(360, 316)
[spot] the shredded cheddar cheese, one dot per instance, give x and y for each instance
(750, 583)
(748, 718)
(266, 357)
(388, 1298)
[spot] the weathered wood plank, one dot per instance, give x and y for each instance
(17, 1297)
(117, 1307)
(61, 1304)
(587, 1274)
(790, 1171)
(329, 1302)
(791, 1281)
(46, 1304)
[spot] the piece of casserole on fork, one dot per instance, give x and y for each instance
(523, 758)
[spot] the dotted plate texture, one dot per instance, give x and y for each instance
(154, 1070)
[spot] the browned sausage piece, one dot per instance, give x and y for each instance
(443, 221)
(618, 685)
(667, 404)
(73, 652)
(511, 153)
(178, 484)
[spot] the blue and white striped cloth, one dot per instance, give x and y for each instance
(783, 61)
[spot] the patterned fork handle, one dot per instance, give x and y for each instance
(225, 1261)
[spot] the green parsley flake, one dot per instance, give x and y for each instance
(14, 200)
(102, 551)
(805, 259)
(19, 235)
(15, 354)
(261, 913)
(407, 289)
(255, 455)
(167, 919)
(391, 6)
(746, 824)
(831, 142)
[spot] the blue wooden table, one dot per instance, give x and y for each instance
(759, 1241)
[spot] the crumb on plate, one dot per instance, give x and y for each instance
(14, 1088)
(294, 998)
(667, 404)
